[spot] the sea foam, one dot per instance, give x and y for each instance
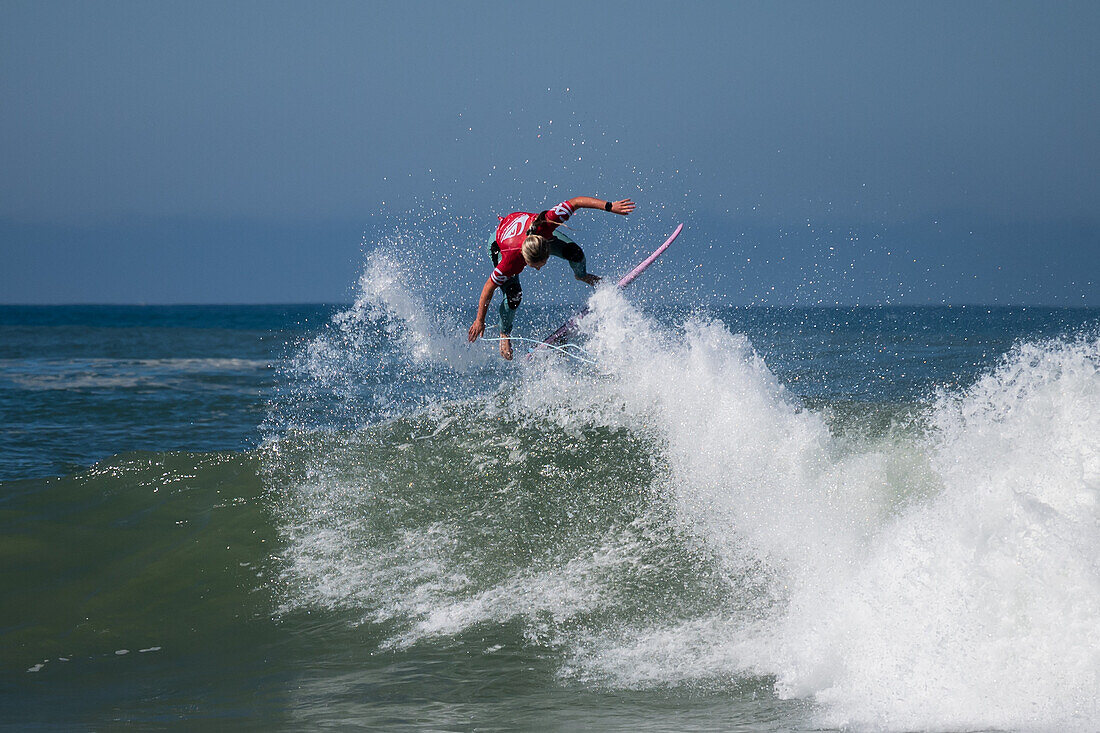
(945, 575)
(975, 605)
(981, 606)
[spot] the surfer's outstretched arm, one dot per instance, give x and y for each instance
(478, 328)
(624, 207)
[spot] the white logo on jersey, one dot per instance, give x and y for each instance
(562, 210)
(515, 227)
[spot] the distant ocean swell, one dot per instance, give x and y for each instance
(674, 516)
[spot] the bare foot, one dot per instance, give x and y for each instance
(505, 346)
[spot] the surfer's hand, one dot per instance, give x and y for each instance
(623, 207)
(476, 330)
(590, 279)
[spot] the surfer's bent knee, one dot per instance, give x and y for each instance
(571, 252)
(565, 248)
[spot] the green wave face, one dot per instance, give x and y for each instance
(486, 556)
(430, 526)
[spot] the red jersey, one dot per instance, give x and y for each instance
(511, 232)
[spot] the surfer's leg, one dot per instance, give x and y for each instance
(512, 295)
(562, 246)
(508, 304)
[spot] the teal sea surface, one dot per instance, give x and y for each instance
(752, 519)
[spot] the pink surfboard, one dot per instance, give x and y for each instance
(570, 326)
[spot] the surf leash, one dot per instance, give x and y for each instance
(562, 349)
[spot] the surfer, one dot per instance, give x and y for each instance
(522, 239)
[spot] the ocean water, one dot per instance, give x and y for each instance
(296, 518)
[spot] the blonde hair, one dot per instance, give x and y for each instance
(536, 248)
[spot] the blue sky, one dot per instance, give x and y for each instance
(819, 152)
